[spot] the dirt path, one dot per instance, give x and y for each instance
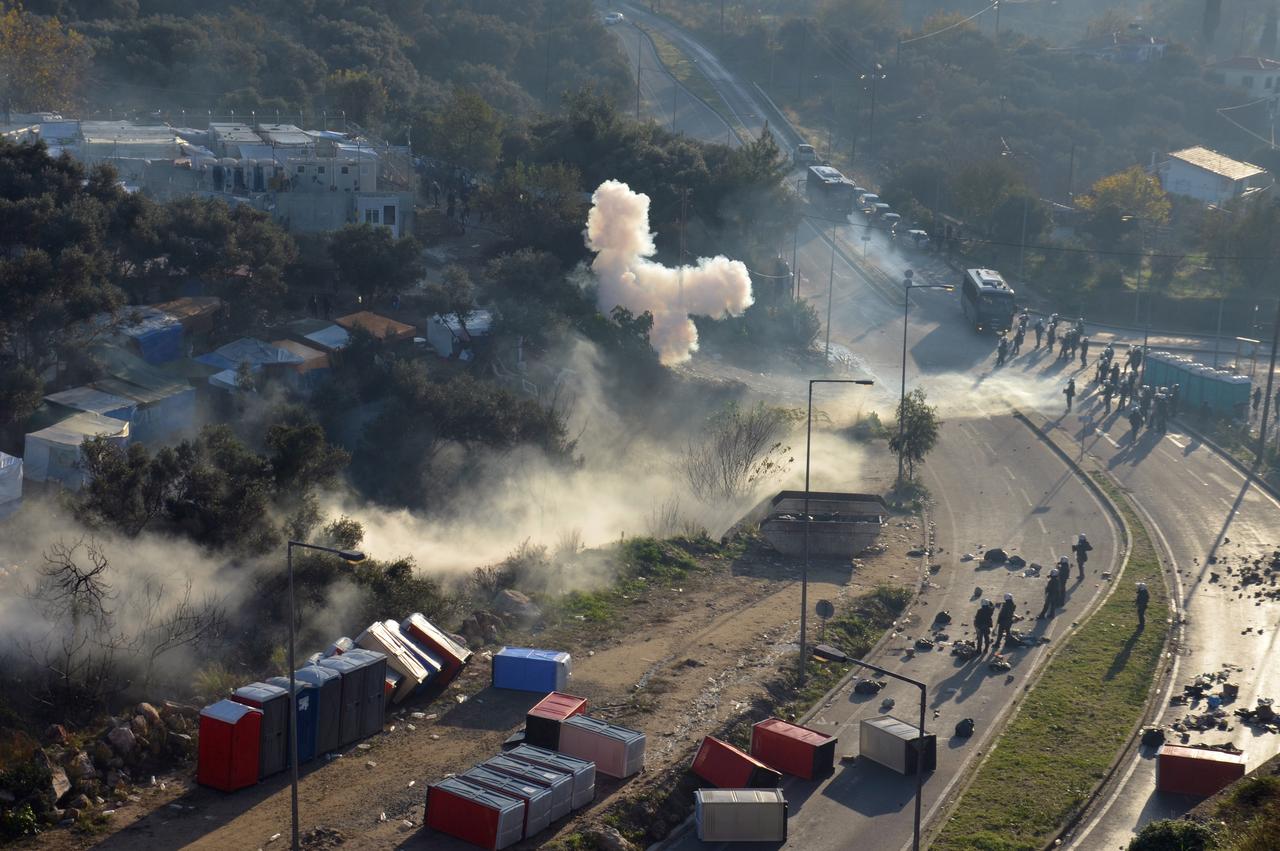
(679, 662)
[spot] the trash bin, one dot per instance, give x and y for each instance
(230, 739)
(273, 754)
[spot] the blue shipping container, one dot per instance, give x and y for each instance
(308, 714)
(526, 669)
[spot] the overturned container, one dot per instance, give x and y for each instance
(893, 743)
(399, 658)
(474, 813)
(583, 771)
(452, 655)
(528, 669)
(616, 751)
(740, 815)
(721, 764)
(1196, 771)
(793, 749)
(542, 723)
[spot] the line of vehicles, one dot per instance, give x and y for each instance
(986, 299)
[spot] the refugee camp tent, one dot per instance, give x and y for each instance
(256, 353)
(10, 484)
(330, 338)
(446, 334)
(156, 335)
(381, 327)
(93, 401)
(197, 314)
(314, 366)
(52, 454)
(165, 408)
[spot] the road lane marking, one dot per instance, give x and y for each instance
(1012, 477)
(1172, 440)
(1040, 523)
(1027, 499)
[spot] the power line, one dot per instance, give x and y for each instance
(950, 27)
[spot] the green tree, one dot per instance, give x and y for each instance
(1247, 234)
(918, 433)
(359, 95)
(1133, 192)
(739, 448)
(42, 63)
(455, 294)
(981, 189)
(540, 206)
(373, 262)
(465, 131)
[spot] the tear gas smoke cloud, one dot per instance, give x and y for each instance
(618, 230)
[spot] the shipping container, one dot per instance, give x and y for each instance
(328, 683)
(350, 720)
(793, 749)
(721, 764)
(537, 799)
(542, 724)
(474, 813)
(740, 815)
(1196, 771)
(273, 753)
(425, 657)
(378, 638)
(583, 771)
(373, 708)
(230, 739)
(452, 655)
(616, 751)
(560, 784)
(893, 743)
(306, 714)
(526, 669)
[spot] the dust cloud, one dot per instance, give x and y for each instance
(618, 231)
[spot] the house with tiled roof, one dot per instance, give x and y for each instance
(1209, 176)
(1254, 73)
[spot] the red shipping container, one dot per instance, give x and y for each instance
(721, 764)
(542, 724)
(793, 749)
(230, 737)
(452, 655)
(1196, 771)
(474, 814)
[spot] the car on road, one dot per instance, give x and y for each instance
(806, 155)
(614, 18)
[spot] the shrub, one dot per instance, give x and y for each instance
(1174, 835)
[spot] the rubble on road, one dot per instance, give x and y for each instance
(965, 649)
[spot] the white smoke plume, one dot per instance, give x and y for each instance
(618, 231)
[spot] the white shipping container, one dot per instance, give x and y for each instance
(892, 743)
(740, 815)
(616, 751)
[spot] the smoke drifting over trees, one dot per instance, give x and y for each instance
(618, 231)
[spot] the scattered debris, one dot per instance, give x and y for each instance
(999, 663)
(995, 556)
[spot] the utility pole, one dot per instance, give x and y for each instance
(639, 54)
(831, 289)
(546, 72)
(722, 27)
(1271, 372)
(800, 66)
(1022, 245)
(1071, 177)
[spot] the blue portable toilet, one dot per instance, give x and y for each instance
(328, 684)
(307, 717)
(351, 719)
(527, 669)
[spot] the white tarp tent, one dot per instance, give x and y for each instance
(10, 484)
(94, 401)
(53, 454)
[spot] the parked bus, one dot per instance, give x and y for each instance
(987, 300)
(829, 189)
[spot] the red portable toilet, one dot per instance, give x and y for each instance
(721, 764)
(230, 735)
(273, 753)
(792, 749)
(542, 724)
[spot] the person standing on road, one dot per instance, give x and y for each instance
(1039, 329)
(1108, 390)
(1018, 338)
(1135, 422)
(1069, 391)
(1004, 620)
(1140, 603)
(1115, 374)
(1257, 399)
(982, 623)
(1053, 333)
(1064, 570)
(1002, 350)
(1084, 352)
(1175, 392)
(1081, 548)
(1050, 596)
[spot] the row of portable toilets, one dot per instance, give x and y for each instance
(342, 695)
(1223, 391)
(518, 793)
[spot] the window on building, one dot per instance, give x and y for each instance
(320, 169)
(388, 215)
(1269, 81)
(346, 170)
(301, 169)
(1247, 82)
(371, 217)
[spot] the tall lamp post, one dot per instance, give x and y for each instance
(908, 285)
(804, 573)
(829, 652)
(351, 556)
(875, 75)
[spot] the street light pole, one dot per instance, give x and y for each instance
(831, 288)
(804, 574)
(1271, 371)
(908, 286)
(350, 556)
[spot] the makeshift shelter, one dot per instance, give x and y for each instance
(314, 366)
(164, 409)
(52, 454)
(197, 314)
(156, 335)
(94, 401)
(382, 328)
(256, 353)
(10, 484)
(449, 336)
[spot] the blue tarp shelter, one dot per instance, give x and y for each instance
(256, 353)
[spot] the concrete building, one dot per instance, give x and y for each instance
(1252, 73)
(1209, 176)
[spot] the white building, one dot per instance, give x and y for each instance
(1253, 73)
(1209, 176)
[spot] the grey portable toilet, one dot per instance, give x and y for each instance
(273, 753)
(349, 721)
(373, 707)
(328, 683)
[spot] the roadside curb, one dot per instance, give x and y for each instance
(1171, 639)
(678, 83)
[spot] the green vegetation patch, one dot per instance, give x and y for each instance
(1074, 722)
(685, 70)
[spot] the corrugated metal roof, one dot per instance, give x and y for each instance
(1247, 63)
(1216, 163)
(91, 399)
